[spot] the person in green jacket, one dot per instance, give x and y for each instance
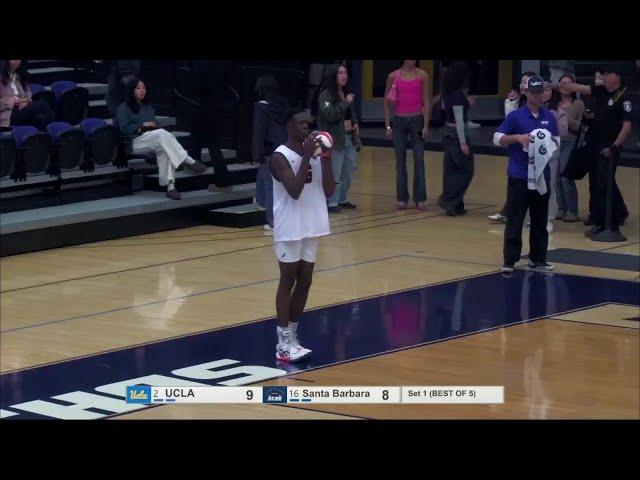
(336, 115)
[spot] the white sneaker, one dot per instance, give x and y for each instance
(497, 217)
(289, 352)
(267, 228)
(544, 266)
(472, 125)
(549, 227)
(294, 341)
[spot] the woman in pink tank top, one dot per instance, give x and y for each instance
(410, 124)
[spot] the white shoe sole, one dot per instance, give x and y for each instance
(299, 358)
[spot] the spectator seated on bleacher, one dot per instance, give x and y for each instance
(16, 105)
(135, 116)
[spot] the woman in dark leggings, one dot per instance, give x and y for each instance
(16, 106)
(458, 156)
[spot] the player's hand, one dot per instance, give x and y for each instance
(350, 98)
(465, 149)
(309, 146)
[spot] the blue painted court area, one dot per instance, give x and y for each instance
(94, 387)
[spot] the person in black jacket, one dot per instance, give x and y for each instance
(269, 132)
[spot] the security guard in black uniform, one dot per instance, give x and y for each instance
(612, 109)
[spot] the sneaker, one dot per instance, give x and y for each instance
(336, 209)
(560, 214)
(348, 205)
(497, 217)
(401, 205)
(421, 206)
(296, 343)
(268, 228)
(461, 211)
(593, 230)
(549, 226)
(570, 217)
(472, 125)
(507, 268)
(289, 352)
(197, 167)
(546, 266)
(174, 194)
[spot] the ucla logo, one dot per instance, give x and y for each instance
(139, 394)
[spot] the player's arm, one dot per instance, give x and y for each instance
(624, 133)
(505, 135)
(575, 88)
(328, 181)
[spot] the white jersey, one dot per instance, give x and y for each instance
(307, 216)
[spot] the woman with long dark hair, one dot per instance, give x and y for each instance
(136, 116)
(458, 155)
(269, 132)
(569, 115)
(410, 86)
(336, 115)
(16, 104)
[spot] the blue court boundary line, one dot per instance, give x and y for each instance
(271, 317)
(222, 289)
(310, 309)
(433, 342)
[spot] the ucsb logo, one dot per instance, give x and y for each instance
(139, 394)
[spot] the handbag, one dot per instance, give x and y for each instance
(392, 95)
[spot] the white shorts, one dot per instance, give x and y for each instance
(295, 250)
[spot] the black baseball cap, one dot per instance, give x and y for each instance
(535, 84)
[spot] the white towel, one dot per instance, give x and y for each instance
(541, 146)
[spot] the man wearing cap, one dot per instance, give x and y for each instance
(610, 127)
(513, 133)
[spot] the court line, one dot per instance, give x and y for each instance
(124, 414)
(593, 323)
(394, 215)
(249, 229)
(598, 324)
(185, 335)
(196, 294)
(619, 246)
(270, 244)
